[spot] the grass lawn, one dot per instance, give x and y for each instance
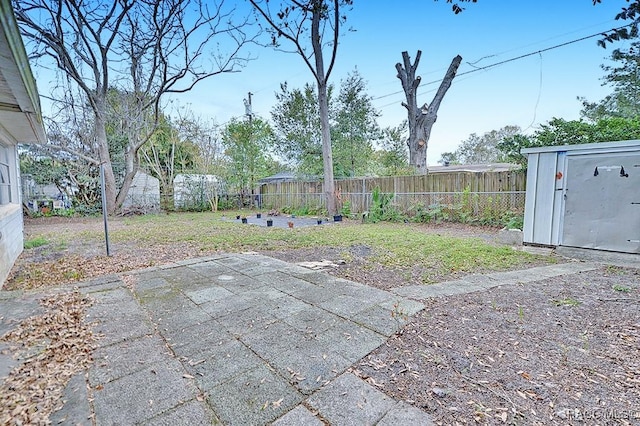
(396, 246)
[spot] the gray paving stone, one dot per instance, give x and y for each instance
(111, 327)
(447, 288)
(118, 360)
(258, 270)
(7, 362)
(182, 274)
(272, 338)
(380, 320)
(239, 283)
(350, 401)
(405, 414)
(210, 294)
(237, 262)
(140, 396)
(312, 320)
(182, 318)
(231, 305)
(223, 363)
(313, 294)
(346, 306)
(309, 365)
(256, 397)
(286, 283)
(148, 286)
(99, 281)
(407, 306)
(247, 321)
(115, 296)
(264, 293)
(351, 340)
(299, 416)
(197, 340)
(190, 413)
(10, 294)
(286, 306)
(211, 269)
(76, 409)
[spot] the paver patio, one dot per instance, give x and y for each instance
(241, 339)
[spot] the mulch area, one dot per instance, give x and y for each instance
(559, 351)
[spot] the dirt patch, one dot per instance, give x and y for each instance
(559, 351)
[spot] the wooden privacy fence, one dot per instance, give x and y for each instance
(503, 190)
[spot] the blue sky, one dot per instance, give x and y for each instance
(525, 92)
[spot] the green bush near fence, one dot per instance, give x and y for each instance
(466, 208)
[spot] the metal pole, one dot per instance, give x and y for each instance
(104, 208)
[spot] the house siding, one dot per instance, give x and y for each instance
(11, 238)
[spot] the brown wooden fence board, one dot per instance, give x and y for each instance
(409, 191)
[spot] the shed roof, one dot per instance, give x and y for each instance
(20, 115)
(588, 147)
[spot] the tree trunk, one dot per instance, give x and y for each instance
(167, 199)
(130, 168)
(421, 120)
(327, 155)
(105, 159)
(323, 103)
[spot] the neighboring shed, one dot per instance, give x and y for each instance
(20, 122)
(144, 192)
(194, 189)
(584, 196)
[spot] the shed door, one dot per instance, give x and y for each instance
(602, 205)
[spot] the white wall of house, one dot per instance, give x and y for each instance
(20, 122)
(11, 225)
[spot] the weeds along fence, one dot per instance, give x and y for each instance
(474, 193)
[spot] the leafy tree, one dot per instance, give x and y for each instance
(624, 78)
(165, 155)
(355, 128)
(562, 132)
(247, 145)
(480, 149)
(393, 155)
(312, 27)
(297, 126)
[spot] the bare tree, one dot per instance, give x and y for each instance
(143, 49)
(311, 26)
(421, 120)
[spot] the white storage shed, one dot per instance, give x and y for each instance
(585, 196)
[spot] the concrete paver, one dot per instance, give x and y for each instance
(349, 400)
(242, 339)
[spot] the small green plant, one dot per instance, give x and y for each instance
(514, 222)
(35, 242)
(585, 341)
(398, 313)
(569, 301)
(520, 313)
(621, 288)
(614, 270)
(346, 209)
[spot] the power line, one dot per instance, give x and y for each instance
(516, 58)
